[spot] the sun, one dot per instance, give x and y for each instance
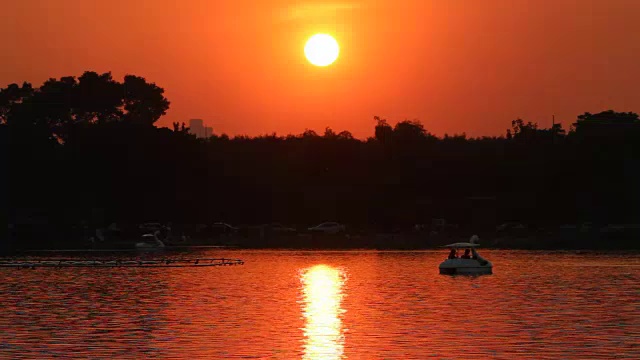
(321, 49)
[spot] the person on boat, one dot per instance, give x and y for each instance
(452, 254)
(466, 254)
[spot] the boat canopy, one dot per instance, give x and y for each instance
(462, 245)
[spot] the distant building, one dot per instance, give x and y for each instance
(196, 127)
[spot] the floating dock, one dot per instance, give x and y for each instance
(112, 263)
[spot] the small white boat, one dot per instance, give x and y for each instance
(150, 242)
(468, 264)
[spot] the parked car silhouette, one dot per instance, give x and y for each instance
(328, 228)
(224, 228)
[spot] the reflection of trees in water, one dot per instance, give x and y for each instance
(322, 294)
(83, 143)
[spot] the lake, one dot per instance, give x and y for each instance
(329, 305)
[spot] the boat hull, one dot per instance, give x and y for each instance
(466, 267)
(483, 270)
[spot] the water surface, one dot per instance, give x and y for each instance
(329, 305)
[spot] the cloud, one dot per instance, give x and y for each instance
(308, 10)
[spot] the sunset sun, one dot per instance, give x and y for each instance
(321, 50)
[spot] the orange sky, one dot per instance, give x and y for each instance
(455, 65)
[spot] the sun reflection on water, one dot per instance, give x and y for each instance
(322, 294)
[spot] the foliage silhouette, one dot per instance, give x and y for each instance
(84, 150)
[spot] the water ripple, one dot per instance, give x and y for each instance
(329, 305)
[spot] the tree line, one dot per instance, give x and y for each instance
(86, 149)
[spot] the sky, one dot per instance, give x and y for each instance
(457, 65)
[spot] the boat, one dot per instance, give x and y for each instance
(468, 264)
(150, 241)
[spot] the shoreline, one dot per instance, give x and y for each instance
(323, 242)
(34, 252)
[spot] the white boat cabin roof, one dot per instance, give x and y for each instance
(462, 245)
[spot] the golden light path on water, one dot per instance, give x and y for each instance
(322, 297)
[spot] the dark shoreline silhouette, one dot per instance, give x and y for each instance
(83, 153)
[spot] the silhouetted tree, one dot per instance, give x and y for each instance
(607, 124)
(11, 96)
(522, 129)
(58, 107)
(144, 102)
(383, 131)
(410, 131)
(329, 134)
(97, 98)
(177, 128)
(345, 135)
